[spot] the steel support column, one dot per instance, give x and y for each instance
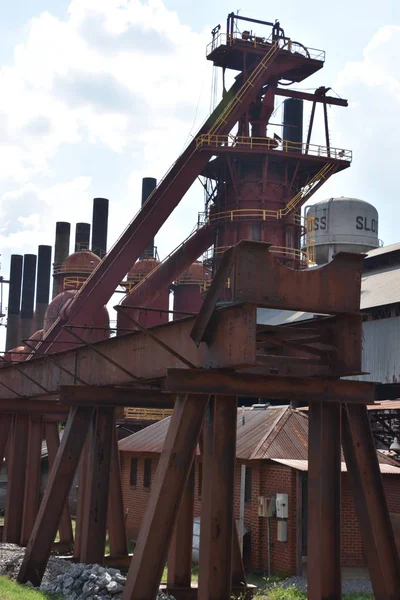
(180, 552)
(5, 427)
(16, 479)
(32, 477)
(81, 500)
(53, 444)
(324, 475)
(216, 527)
(116, 518)
(158, 523)
(60, 480)
(94, 525)
(370, 504)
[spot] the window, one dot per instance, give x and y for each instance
(147, 473)
(133, 476)
(247, 486)
(199, 479)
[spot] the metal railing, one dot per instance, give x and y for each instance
(147, 414)
(234, 141)
(223, 39)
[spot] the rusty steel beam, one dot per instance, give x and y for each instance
(158, 523)
(150, 288)
(324, 478)
(203, 381)
(53, 444)
(313, 97)
(29, 406)
(5, 428)
(16, 473)
(59, 483)
(81, 500)
(116, 517)
(180, 551)
(114, 396)
(217, 502)
(138, 352)
(370, 504)
(100, 286)
(94, 524)
(32, 477)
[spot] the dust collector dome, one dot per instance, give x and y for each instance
(55, 308)
(37, 336)
(99, 320)
(341, 225)
(83, 262)
(196, 273)
(17, 354)
(141, 268)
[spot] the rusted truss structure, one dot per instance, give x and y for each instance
(200, 365)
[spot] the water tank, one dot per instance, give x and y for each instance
(341, 225)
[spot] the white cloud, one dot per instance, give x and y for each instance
(109, 74)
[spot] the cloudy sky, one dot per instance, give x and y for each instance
(96, 94)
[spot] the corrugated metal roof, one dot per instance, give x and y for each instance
(302, 465)
(147, 440)
(383, 250)
(380, 287)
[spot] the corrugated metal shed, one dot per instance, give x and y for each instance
(380, 351)
(383, 250)
(302, 465)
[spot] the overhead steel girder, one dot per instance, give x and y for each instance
(233, 345)
(150, 288)
(313, 97)
(256, 276)
(197, 381)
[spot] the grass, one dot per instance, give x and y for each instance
(276, 592)
(10, 590)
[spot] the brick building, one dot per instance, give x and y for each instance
(272, 444)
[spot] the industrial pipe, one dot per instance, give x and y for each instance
(148, 185)
(42, 284)
(14, 301)
(100, 226)
(28, 296)
(82, 236)
(61, 251)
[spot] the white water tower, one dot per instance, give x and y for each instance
(341, 225)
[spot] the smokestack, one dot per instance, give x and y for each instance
(61, 251)
(293, 121)
(42, 284)
(82, 236)
(28, 295)
(99, 226)
(14, 300)
(148, 185)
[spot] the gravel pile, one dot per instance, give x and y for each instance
(74, 581)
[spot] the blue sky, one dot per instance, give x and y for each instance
(96, 94)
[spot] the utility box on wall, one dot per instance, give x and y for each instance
(282, 508)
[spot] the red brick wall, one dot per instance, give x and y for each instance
(352, 548)
(267, 479)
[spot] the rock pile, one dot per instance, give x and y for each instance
(90, 582)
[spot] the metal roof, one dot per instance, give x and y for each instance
(383, 250)
(302, 465)
(385, 405)
(276, 433)
(380, 287)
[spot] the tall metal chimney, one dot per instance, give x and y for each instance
(14, 301)
(100, 226)
(42, 284)
(148, 185)
(28, 296)
(293, 121)
(82, 236)
(61, 251)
